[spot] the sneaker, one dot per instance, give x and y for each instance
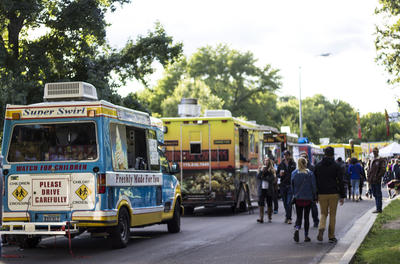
(320, 236)
(296, 235)
(275, 211)
(332, 240)
(377, 211)
(307, 239)
(289, 221)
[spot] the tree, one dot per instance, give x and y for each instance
(321, 118)
(232, 76)
(388, 37)
(288, 112)
(373, 127)
(72, 47)
(190, 88)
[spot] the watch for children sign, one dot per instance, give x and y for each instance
(50, 192)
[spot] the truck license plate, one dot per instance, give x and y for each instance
(51, 218)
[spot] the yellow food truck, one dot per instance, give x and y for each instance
(345, 151)
(219, 156)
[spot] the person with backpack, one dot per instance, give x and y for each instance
(346, 178)
(304, 193)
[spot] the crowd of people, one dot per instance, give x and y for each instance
(302, 186)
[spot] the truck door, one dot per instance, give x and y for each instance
(195, 156)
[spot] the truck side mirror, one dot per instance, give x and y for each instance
(175, 168)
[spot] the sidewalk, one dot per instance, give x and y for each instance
(347, 246)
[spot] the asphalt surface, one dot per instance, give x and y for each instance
(210, 236)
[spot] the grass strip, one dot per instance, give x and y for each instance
(381, 245)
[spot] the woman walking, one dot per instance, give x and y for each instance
(355, 176)
(304, 192)
(266, 180)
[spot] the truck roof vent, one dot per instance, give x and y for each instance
(69, 91)
(189, 108)
(218, 113)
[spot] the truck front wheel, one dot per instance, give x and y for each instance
(174, 225)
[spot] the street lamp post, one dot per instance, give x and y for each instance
(300, 112)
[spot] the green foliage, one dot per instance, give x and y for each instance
(288, 112)
(381, 245)
(373, 126)
(71, 46)
(189, 88)
(388, 37)
(224, 78)
(232, 75)
(322, 118)
(229, 75)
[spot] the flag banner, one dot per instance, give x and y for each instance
(359, 125)
(387, 124)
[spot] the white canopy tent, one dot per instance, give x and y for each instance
(390, 150)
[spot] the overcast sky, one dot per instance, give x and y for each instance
(286, 34)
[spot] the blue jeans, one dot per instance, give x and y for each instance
(377, 192)
(355, 188)
(286, 193)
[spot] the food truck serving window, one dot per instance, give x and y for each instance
(53, 142)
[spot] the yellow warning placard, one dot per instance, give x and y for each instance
(20, 193)
(83, 192)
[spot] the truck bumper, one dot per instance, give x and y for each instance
(40, 228)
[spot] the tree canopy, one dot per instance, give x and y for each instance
(228, 78)
(45, 41)
(388, 38)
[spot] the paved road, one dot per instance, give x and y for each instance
(210, 236)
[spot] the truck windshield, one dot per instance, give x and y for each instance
(53, 142)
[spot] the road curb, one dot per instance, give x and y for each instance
(347, 246)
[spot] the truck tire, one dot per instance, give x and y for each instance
(243, 206)
(28, 242)
(189, 210)
(174, 225)
(120, 234)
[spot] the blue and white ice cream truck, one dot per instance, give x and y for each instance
(75, 163)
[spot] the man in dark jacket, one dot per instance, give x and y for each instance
(314, 209)
(330, 189)
(285, 169)
(396, 170)
(376, 170)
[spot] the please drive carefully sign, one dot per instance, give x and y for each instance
(133, 179)
(50, 192)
